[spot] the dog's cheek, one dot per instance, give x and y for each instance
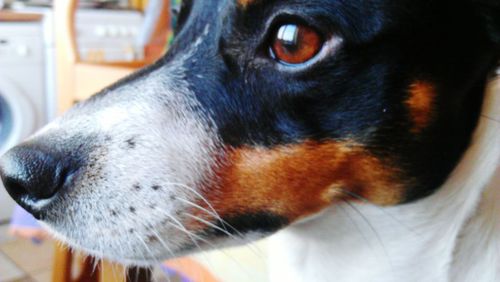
(295, 181)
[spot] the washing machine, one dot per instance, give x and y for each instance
(23, 97)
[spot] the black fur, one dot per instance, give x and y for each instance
(357, 93)
(489, 11)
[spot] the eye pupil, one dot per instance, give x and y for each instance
(296, 44)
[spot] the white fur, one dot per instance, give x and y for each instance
(172, 149)
(478, 249)
(445, 237)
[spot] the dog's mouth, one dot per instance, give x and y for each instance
(133, 228)
(144, 233)
(134, 238)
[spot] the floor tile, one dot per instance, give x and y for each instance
(4, 234)
(45, 276)
(30, 257)
(8, 270)
(25, 279)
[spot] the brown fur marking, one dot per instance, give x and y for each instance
(245, 3)
(299, 180)
(420, 105)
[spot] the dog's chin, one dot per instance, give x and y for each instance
(148, 255)
(133, 251)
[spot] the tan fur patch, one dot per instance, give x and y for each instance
(245, 3)
(420, 105)
(299, 180)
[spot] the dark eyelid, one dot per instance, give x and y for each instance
(284, 16)
(293, 16)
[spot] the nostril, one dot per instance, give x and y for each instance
(31, 174)
(14, 187)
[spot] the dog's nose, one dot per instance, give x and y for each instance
(32, 174)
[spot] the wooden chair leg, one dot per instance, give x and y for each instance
(105, 272)
(110, 272)
(88, 273)
(63, 259)
(139, 275)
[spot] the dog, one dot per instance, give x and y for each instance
(288, 118)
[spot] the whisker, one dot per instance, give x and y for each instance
(132, 219)
(366, 201)
(238, 237)
(149, 226)
(148, 250)
(157, 236)
(198, 207)
(346, 213)
(195, 238)
(375, 232)
(214, 247)
(211, 225)
(360, 231)
(179, 226)
(216, 214)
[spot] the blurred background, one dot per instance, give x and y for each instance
(54, 53)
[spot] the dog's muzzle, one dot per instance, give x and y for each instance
(126, 166)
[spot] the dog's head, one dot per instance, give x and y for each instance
(262, 113)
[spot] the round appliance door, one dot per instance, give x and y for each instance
(17, 116)
(17, 121)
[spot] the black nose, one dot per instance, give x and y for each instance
(32, 174)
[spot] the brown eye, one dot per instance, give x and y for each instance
(296, 44)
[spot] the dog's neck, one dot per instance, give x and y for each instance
(450, 236)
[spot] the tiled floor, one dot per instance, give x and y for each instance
(24, 261)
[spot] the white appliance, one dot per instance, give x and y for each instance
(109, 35)
(24, 102)
(27, 68)
(102, 35)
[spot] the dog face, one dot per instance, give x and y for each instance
(262, 113)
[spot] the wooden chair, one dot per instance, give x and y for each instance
(77, 80)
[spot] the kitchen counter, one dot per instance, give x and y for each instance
(9, 16)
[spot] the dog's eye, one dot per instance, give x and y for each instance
(295, 44)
